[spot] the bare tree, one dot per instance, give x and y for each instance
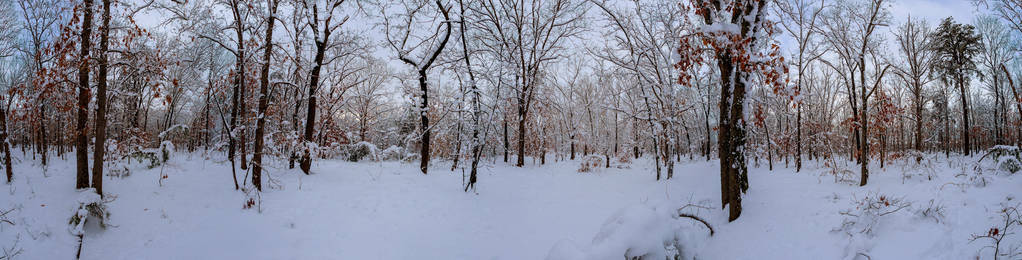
(84, 96)
(799, 19)
(406, 43)
(914, 45)
(850, 29)
(324, 20)
(367, 100)
(9, 29)
(264, 83)
(101, 102)
(997, 49)
(527, 35)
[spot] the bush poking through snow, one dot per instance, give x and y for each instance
(917, 165)
(996, 235)
(868, 212)
(640, 232)
(90, 207)
(146, 156)
(392, 153)
(410, 158)
(1006, 158)
(590, 162)
(860, 222)
(361, 151)
(840, 172)
(934, 210)
(624, 158)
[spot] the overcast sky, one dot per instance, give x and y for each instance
(933, 10)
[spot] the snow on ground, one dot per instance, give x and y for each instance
(388, 210)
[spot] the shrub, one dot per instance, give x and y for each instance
(860, 221)
(590, 162)
(147, 156)
(917, 165)
(867, 213)
(840, 172)
(361, 151)
(1006, 158)
(411, 157)
(89, 206)
(392, 153)
(1010, 220)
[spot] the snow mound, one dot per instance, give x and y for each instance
(361, 151)
(89, 204)
(639, 232)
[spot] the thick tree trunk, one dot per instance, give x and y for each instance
(100, 146)
(81, 132)
(731, 137)
(310, 119)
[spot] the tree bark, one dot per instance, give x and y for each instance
(424, 120)
(100, 146)
(310, 119)
(264, 83)
(6, 144)
(1018, 102)
(81, 132)
(966, 147)
(731, 137)
(522, 112)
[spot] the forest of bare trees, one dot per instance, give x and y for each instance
(515, 82)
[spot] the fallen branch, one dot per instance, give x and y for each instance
(699, 220)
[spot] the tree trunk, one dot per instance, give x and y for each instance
(424, 120)
(798, 136)
(100, 146)
(966, 148)
(572, 137)
(919, 121)
(81, 132)
(863, 127)
(264, 83)
(522, 112)
(731, 137)
(1018, 102)
(310, 119)
(44, 148)
(770, 150)
(476, 144)
(6, 144)
(506, 143)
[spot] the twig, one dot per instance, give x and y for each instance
(699, 220)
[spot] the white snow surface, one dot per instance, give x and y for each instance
(389, 210)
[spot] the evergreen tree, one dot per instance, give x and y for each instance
(956, 46)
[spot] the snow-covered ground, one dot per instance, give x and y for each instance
(388, 210)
